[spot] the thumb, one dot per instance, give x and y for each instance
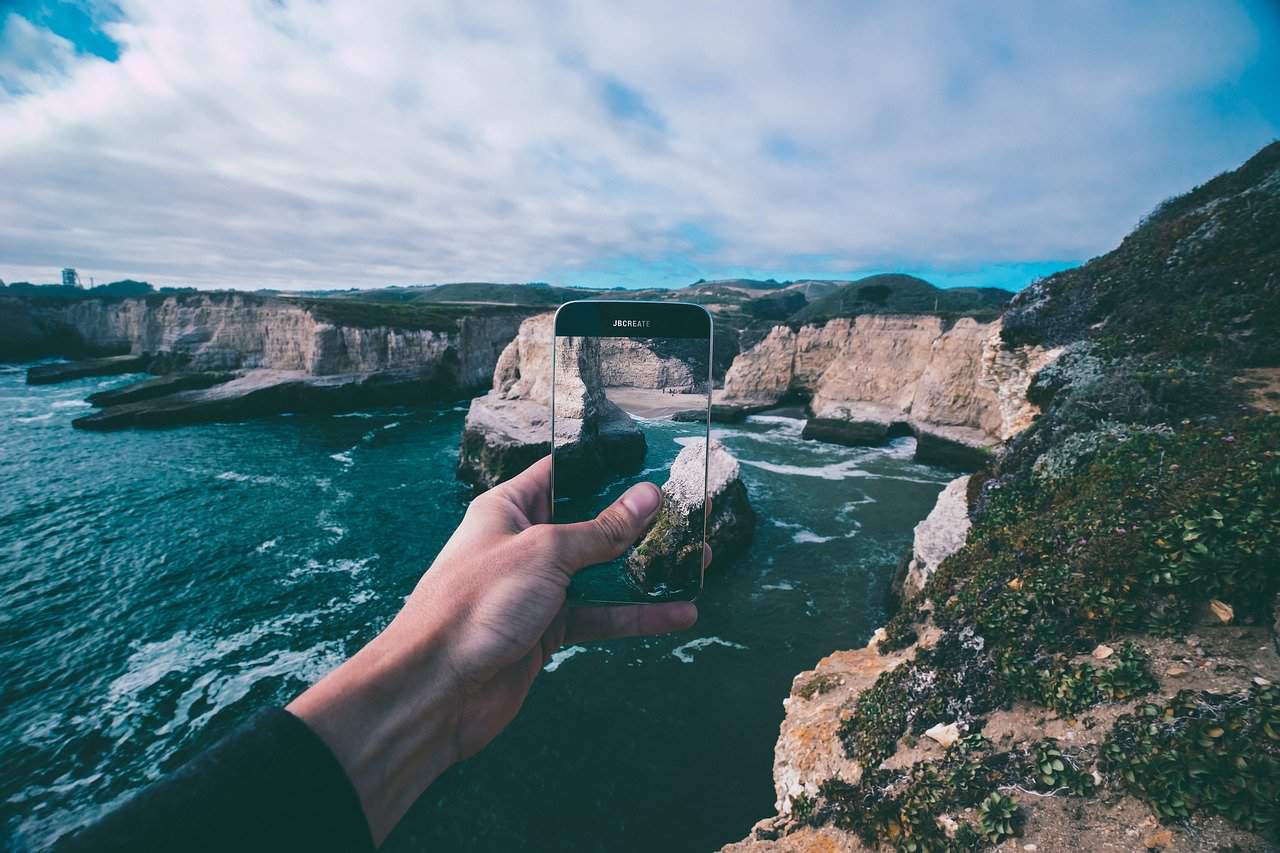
(606, 536)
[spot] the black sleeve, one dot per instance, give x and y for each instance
(272, 784)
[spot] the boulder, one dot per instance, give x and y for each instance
(670, 554)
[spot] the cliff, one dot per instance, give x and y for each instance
(509, 428)
(869, 376)
(1089, 658)
(273, 354)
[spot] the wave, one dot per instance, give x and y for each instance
(256, 479)
(808, 537)
(558, 658)
(266, 546)
(344, 457)
(35, 418)
(342, 565)
(832, 471)
(783, 586)
(685, 652)
(72, 404)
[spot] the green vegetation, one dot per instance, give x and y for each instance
(1203, 753)
(363, 314)
(901, 808)
(61, 294)
(1195, 278)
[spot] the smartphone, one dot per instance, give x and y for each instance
(631, 401)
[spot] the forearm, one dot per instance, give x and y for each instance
(389, 715)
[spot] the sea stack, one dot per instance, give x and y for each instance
(509, 428)
(673, 547)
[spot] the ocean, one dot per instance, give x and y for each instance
(159, 586)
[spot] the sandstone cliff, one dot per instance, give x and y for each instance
(273, 354)
(509, 428)
(640, 363)
(862, 376)
(222, 331)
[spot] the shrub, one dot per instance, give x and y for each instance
(1203, 752)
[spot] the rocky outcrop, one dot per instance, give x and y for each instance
(940, 535)
(255, 393)
(114, 365)
(873, 376)
(159, 386)
(669, 557)
(509, 428)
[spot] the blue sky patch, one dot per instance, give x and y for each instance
(78, 22)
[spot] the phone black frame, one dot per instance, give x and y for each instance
(618, 318)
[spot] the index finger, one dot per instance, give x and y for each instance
(529, 491)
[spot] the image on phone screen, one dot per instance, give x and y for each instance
(631, 400)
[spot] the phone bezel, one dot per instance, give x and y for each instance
(594, 318)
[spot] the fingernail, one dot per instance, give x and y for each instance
(642, 500)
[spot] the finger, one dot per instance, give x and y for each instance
(530, 491)
(588, 624)
(706, 555)
(606, 536)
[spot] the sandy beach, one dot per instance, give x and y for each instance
(654, 402)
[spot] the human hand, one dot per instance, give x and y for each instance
(453, 667)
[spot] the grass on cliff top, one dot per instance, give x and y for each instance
(371, 314)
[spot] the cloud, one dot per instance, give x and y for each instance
(254, 144)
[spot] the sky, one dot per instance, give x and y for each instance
(288, 144)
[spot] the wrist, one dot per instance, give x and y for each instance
(389, 716)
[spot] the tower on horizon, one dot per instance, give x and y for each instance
(70, 278)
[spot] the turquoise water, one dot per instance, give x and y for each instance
(161, 585)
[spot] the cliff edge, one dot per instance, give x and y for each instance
(1093, 662)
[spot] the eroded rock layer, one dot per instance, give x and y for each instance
(954, 387)
(256, 355)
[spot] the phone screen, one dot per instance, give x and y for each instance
(631, 400)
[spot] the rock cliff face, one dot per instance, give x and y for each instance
(272, 354)
(509, 428)
(865, 375)
(670, 554)
(633, 363)
(939, 536)
(242, 331)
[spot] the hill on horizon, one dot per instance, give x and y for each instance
(895, 293)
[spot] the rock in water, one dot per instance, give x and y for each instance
(509, 428)
(670, 554)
